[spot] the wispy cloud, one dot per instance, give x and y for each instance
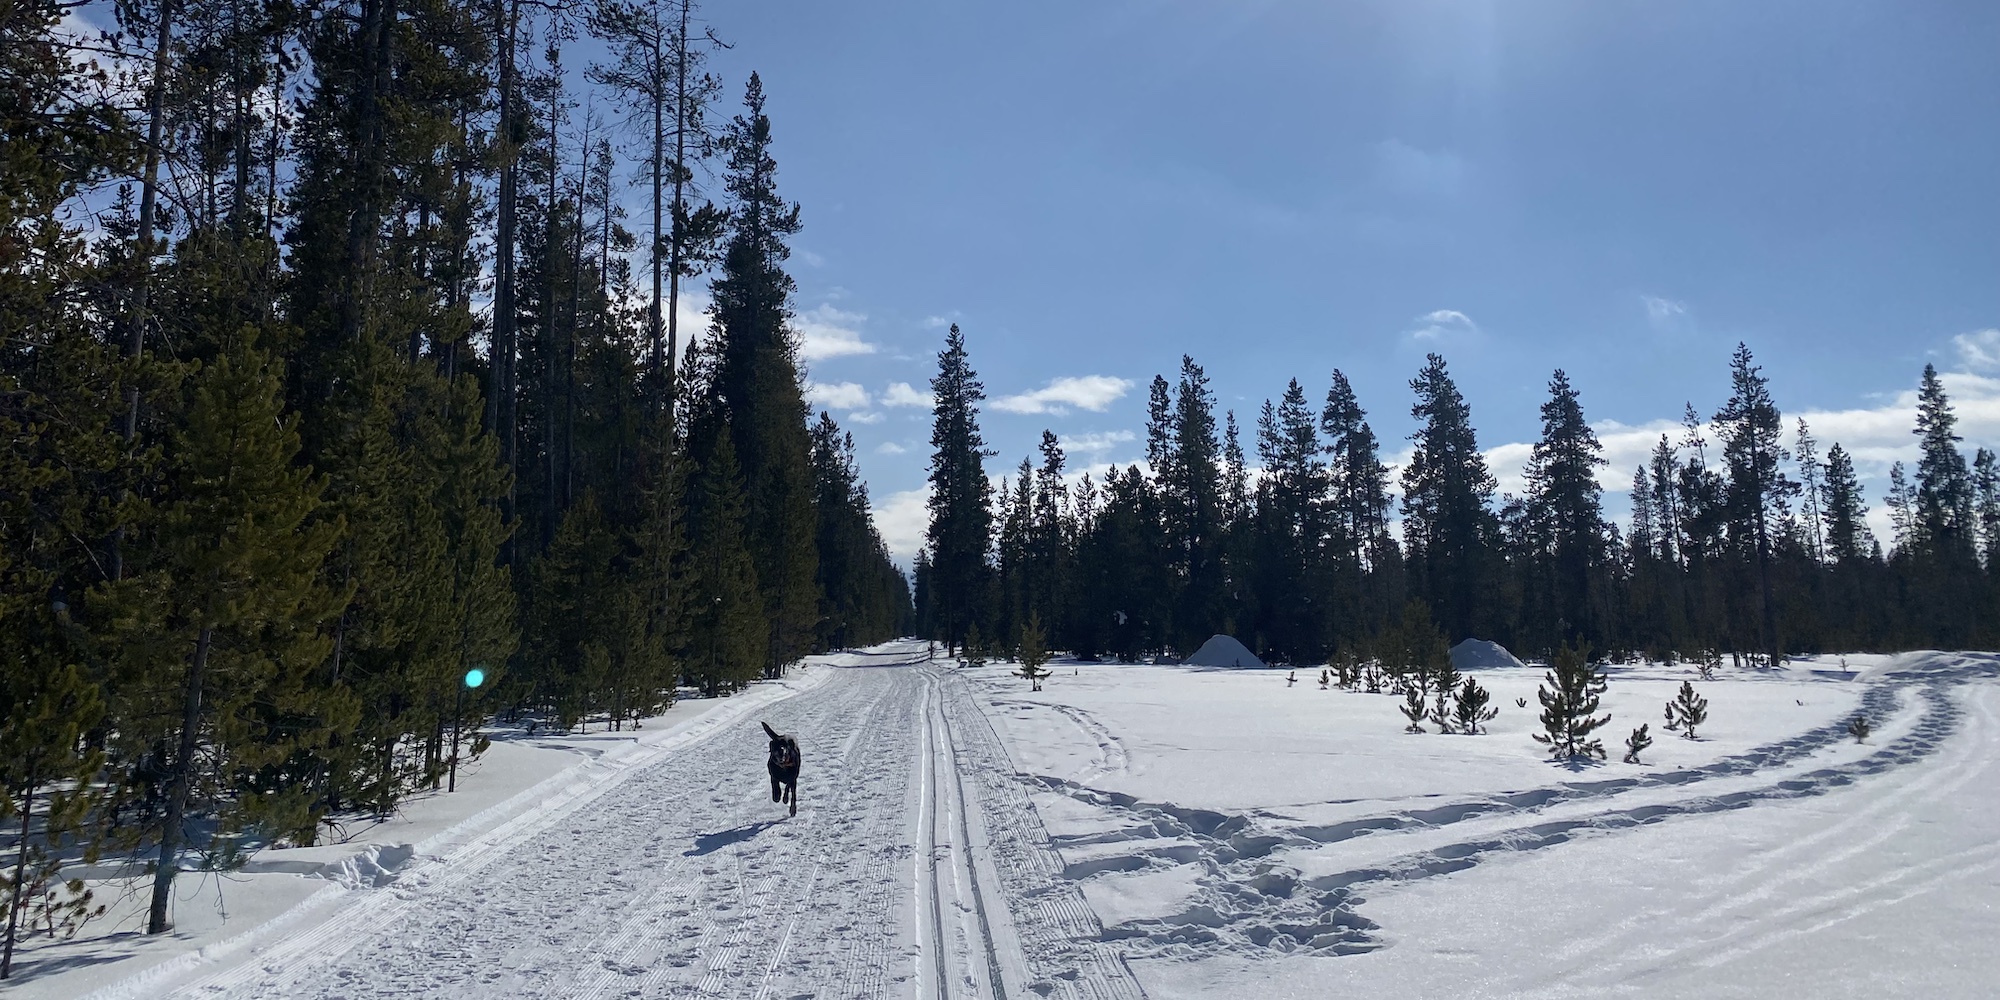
(940, 322)
(837, 395)
(890, 448)
(865, 417)
(1979, 350)
(901, 394)
(1096, 442)
(1662, 312)
(1088, 392)
(1440, 323)
(829, 332)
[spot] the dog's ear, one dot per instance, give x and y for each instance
(768, 731)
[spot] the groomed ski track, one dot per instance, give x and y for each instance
(678, 877)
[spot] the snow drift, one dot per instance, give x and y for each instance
(1482, 654)
(1223, 651)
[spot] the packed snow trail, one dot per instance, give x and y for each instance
(683, 879)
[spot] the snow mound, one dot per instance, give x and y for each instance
(1223, 651)
(1482, 654)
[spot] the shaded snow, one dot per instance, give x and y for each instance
(1482, 654)
(1224, 651)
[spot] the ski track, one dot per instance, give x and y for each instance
(917, 866)
(1247, 903)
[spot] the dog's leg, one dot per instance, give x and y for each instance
(777, 789)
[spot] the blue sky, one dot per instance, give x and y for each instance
(1280, 188)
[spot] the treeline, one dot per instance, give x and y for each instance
(326, 377)
(1744, 538)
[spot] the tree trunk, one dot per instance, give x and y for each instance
(177, 787)
(20, 875)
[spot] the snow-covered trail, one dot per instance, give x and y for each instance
(900, 876)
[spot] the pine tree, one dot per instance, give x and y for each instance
(726, 628)
(1434, 660)
(960, 518)
(1413, 706)
(1470, 712)
(1686, 711)
(1191, 487)
(657, 70)
(1448, 527)
(1034, 652)
(1566, 502)
(1847, 536)
(1636, 743)
(1753, 446)
(235, 603)
(1813, 493)
(1570, 698)
(1859, 729)
(757, 386)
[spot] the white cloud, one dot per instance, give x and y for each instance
(1096, 442)
(865, 417)
(890, 448)
(902, 520)
(828, 332)
(1438, 323)
(837, 395)
(1875, 437)
(940, 322)
(1979, 350)
(901, 394)
(1089, 392)
(1408, 170)
(1662, 312)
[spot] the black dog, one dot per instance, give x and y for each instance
(784, 766)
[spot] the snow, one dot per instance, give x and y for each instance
(219, 915)
(1167, 832)
(1224, 651)
(1242, 837)
(1482, 654)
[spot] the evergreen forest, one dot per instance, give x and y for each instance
(1745, 539)
(332, 370)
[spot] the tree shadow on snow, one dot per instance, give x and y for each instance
(709, 843)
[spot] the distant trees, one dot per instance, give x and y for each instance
(1288, 548)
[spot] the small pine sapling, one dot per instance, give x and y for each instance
(1413, 708)
(1034, 652)
(975, 648)
(1471, 712)
(1570, 701)
(1859, 729)
(1346, 669)
(1707, 664)
(1444, 684)
(1637, 742)
(1520, 703)
(1292, 679)
(1324, 679)
(1686, 711)
(1371, 677)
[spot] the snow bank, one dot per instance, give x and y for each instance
(1482, 654)
(1223, 651)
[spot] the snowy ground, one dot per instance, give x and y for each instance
(1174, 832)
(1242, 837)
